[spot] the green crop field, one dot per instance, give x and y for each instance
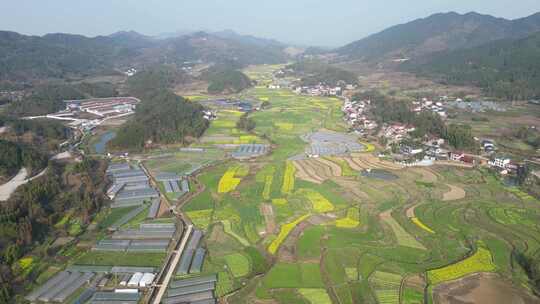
(238, 264)
(275, 236)
(121, 259)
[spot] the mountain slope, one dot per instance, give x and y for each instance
(439, 32)
(248, 39)
(58, 55)
(26, 58)
(505, 68)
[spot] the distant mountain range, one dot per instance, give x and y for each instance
(436, 33)
(26, 58)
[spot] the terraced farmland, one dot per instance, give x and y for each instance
(386, 287)
(318, 231)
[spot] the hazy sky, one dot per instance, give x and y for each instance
(310, 22)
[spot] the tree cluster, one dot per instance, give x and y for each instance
(227, 80)
(49, 98)
(162, 116)
(30, 215)
(245, 123)
(14, 156)
(314, 72)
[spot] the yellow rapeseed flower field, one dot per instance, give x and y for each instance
(284, 232)
(480, 261)
(419, 223)
(288, 178)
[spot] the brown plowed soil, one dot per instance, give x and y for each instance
(353, 189)
(481, 288)
(305, 173)
(334, 168)
(454, 194)
(353, 164)
(268, 212)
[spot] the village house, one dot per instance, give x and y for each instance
(500, 162)
(488, 146)
(456, 155)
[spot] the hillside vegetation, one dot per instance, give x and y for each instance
(14, 156)
(313, 72)
(227, 80)
(162, 116)
(60, 56)
(62, 202)
(507, 69)
(439, 32)
(49, 98)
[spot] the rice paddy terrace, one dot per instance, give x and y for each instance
(280, 229)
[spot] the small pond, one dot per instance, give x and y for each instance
(101, 145)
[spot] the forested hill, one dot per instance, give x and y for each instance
(507, 69)
(26, 58)
(162, 117)
(313, 72)
(439, 32)
(49, 98)
(226, 80)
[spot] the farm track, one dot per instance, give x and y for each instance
(410, 211)
(268, 212)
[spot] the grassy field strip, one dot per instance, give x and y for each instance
(279, 202)
(320, 203)
(284, 232)
(201, 218)
(238, 264)
(402, 236)
(386, 286)
(315, 295)
(419, 223)
(267, 186)
(288, 178)
(285, 126)
(227, 227)
(480, 261)
(521, 194)
(514, 216)
(351, 220)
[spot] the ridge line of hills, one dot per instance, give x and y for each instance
(436, 33)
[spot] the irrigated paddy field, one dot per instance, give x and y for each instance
(283, 230)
